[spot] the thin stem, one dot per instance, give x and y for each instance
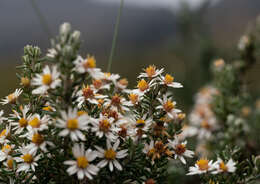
(41, 18)
(115, 36)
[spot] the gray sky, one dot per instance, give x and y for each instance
(167, 4)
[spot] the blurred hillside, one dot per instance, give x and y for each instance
(183, 43)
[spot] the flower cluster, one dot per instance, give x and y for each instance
(69, 115)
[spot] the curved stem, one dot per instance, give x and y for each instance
(115, 36)
(41, 18)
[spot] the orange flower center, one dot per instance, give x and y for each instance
(110, 154)
(116, 100)
(168, 106)
(25, 81)
(133, 97)
(150, 71)
(97, 83)
(35, 123)
(104, 125)
(11, 98)
(168, 79)
(23, 122)
(72, 124)
(180, 149)
(223, 166)
(82, 162)
(28, 158)
(37, 139)
(10, 163)
(203, 164)
(123, 82)
(205, 124)
(90, 62)
(87, 92)
(142, 85)
(6, 148)
(47, 79)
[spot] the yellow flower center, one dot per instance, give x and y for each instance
(90, 62)
(181, 116)
(3, 133)
(46, 79)
(150, 71)
(28, 158)
(80, 113)
(6, 148)
(23, 122)
(110, 154)
(25, 81)
(168, 106)
(104, 125)
(133, 97)
(37, 139)
(47, 108)
(87, 92)
(72, 124)
(142, 85)
(35, 122)
(180, 149)
(107, 74)
(223, 166)
(82, 162)
(168, 79)
(140, 123)
(11, 98)
(10, 163)
(203, 164)
(151, 152)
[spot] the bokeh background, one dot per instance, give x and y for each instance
(183, 36)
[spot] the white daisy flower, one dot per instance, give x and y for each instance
(87, 65)
(88, 94)
(2, 118)
(179, 149)
(149, 150)
(28, 160)
(117, 102)
(111, 155)
(72, 124)
(125, 128)
(151, 72)
(9, 163)
(168, 80)
(108, 77)
(21, 122)
(168, 106)
(142, 87)
(82, 165)
(221, 166)
(104, 126)
(37, 123)
(49, 79)
(37, 141)
(121, 84)
(140, 125)
(98, 84)
(12, 98)
(5, 151)
(4, 135)
(134, 98)
(202, 166)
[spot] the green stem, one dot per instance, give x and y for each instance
(41, 18)
(115, 36)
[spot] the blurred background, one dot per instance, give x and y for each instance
(183, 36)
